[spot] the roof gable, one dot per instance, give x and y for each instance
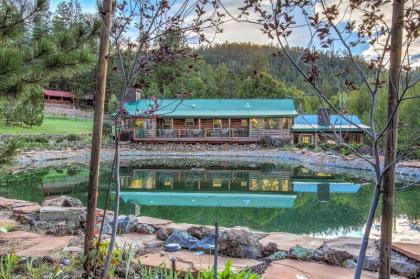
(215, 107)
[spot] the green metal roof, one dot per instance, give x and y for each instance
(213, 108)
(343, 123)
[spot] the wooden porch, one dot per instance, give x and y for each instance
(213, 140)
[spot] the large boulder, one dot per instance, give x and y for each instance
(199, 231)
(300, 253)
(269, 249)
(127, 223)
(403, 266)
(239, 244)
(144, 229)
(75, 215)
(163, 234)
(337, 251)
(182, 238)
(63, 201)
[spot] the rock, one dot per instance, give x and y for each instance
(206, 244)
(293, 269)
(73, 249)
(188, 260)
(144, 229)
(182, 238)
(107, 229)
(300, 253)
(63, 201)
(29, 244)
(409, 249)
(199, 231)
(349, 264)
(127, 224)
(285, 241)
(162, 234)
(172, 247)
(338, 250)
(402, 266)
(371, 263)
(154, 222)
(240, 244)
(26, 210)
(140, 243)
(57, 214)
(269, 249)
(280, 255)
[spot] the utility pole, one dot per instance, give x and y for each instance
(391, 139)
(105, 11)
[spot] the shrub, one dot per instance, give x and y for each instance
(8, 264)
(408, 153)
(107, 129)
(40, 138)
(74, 137)
(305, 145)
(9, 150)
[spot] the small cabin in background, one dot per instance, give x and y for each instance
(59, 97)
(319, 128)
(209, 120)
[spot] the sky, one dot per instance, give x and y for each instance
(246, 32)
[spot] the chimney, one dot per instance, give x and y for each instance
(323, 117)
(132, 95)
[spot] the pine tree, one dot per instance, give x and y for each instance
(33, 114)
(28, 60)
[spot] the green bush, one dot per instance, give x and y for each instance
(74, 137)
(39, 138)
(408, 153)
(107, 129)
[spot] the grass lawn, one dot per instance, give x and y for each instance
(52, 126)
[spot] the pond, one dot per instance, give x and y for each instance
(262, 196)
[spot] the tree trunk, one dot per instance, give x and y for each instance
(391, 139)
(106, 13)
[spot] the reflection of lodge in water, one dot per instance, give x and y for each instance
(296, 180)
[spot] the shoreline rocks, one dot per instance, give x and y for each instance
(310, 159)
(147, 235)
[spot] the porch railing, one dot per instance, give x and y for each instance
(202, 133)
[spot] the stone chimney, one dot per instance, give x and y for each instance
(132, 95)
(323, 117)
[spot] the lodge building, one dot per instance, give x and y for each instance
(232, 121)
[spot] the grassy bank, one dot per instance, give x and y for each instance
(51, 126)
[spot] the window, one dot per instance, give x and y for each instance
(148, 124)
(285, 123)
(271, 123)
(244, 123)
(167, 123)
(189, 122)
(254, 123)
(306, 139)
(217, 182)
(217, 123)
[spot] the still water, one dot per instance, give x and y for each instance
(267, 197)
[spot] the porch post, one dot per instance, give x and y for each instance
(154, 125)
(230, 132)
